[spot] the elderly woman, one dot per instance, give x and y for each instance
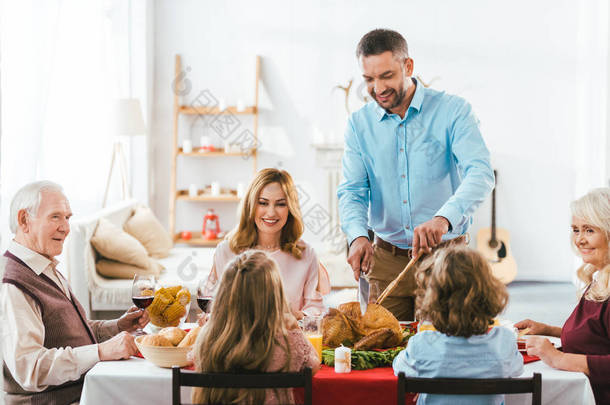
(270, 220)
(585, 336)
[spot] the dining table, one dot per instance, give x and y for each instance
(138, 381)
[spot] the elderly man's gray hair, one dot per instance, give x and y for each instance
(28, 198)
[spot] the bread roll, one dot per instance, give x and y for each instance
(190, 337)
(174, 335)
(155, 340)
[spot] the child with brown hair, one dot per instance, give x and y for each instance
(251, 329)
(457, 300)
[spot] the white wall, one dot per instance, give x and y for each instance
(535, 72)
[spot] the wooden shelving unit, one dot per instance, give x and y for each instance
(214, 154)
(222, 197)
(215, 110)
(196, 240)
(225, 196)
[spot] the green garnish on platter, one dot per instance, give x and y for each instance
(364, 359)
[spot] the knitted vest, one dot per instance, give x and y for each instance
(65, 324)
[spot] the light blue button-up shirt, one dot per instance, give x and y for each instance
(432, 354)
(399, 173)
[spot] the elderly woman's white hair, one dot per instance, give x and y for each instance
(28, 198)
(594, 209)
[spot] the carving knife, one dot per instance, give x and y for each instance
(363, 292)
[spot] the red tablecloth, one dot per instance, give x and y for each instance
(529, 359)
(375, 386)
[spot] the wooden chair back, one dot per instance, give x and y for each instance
(471, 386)
(182, 378)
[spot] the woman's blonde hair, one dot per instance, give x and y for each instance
(247, 322)
(594, 209)
(245, 235)
(457, 292)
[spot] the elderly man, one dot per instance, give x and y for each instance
(415, 167)
(48, 344)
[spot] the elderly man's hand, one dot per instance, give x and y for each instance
(121, 346)
(429, 234)
(133, 319)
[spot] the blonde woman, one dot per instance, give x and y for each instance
(251, 329)
(270, 220)
(585, 336)
(457, 298)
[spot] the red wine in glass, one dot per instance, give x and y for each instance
(204, 303)
(143, 302)
(142, 294)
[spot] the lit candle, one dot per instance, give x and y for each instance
(343, 359)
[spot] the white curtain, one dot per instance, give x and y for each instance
(61, 65)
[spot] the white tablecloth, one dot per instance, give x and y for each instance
(133, 381)
(139, 381)
(558, 387)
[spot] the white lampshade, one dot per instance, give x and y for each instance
(127, 117)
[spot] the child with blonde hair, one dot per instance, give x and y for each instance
(251, 329)
(457, 300)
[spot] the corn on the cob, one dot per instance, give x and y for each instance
(173, 312)
(183, 296)
(173, 290)
(161, 301)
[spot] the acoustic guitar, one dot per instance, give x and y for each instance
(494, 245)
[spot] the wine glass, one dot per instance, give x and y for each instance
(205, 293)
(142, 294)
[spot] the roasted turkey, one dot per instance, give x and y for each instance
(376, 329)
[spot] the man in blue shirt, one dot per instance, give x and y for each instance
(415, 168)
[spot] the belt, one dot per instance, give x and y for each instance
(396, 251)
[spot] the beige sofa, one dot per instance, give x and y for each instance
(184, 265)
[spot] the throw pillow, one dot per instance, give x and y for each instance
(114, 269)
(113, 243)
(145, 227)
